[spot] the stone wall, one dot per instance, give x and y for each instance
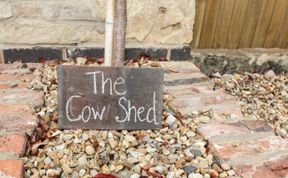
(230, 61)
(151, 23)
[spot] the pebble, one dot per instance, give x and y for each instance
(231, 172)
(217, 168)
(67, 137)
(85, 137)
(60, 147)
(188, 153)
(204, 119)
(81, 60)
(82, 172)
(82, 160)
(66, 169)
(223, 174)
(73, 163)
(89, 150)
(270, 74)
(189, 169)
(171, 120)
(130, 138)
(93, 172)
(47, 161)
(196, 152)
(225, 166)
(135, 176)
(75, 175)
(159, 168)
(113, 143)
(170, 175)
(203, 163)
(195, 175)
(52, 173)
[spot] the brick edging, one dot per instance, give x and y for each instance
(49, 53)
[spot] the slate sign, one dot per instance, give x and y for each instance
(109, 97)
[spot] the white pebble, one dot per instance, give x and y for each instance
(195, 175)
(135, 176)
(231, 172)
(89, 150)
(225, 166)
(171, 120)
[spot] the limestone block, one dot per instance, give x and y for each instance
(42, 32)
(73, 21)
(58, 10)
(158, 21)
(5, 10)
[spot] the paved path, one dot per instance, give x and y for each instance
(17, 122)
(250, 146)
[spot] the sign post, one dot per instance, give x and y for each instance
(115, 29)
(110, 97)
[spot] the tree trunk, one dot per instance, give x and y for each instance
(119, 31)
(115, 32)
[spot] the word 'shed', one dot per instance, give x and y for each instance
(109, 97)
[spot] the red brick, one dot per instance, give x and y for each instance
(279, 167)
(22, 71)
(182, 76)
(5, 86)
(17, 65)
(256, 125)
(265, 147)
(179, 67)
(263, 172)
(13, 143)
(34, 65)
(206, 99)
(252, 171)
(32, 98)
(24, 123)
(196, 89)
(188, 106)
(14, 109)
(234, 112)
(14, 65)
(14, 168)
(7, 77)
(221, 128)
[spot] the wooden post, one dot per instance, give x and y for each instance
(109, 25)
(115, 30)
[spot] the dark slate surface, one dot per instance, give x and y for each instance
(85, 52)
(32, 55)
(133, 53)
(140, 85)
(181, 54)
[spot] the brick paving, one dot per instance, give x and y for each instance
(17, 122)
(250, 146)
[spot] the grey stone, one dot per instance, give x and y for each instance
(189, 169)
(47, 161)
(196, 152)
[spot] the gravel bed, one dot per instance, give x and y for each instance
(264, 96)
(176, 150)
